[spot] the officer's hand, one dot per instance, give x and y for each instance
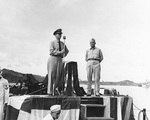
(62, 51)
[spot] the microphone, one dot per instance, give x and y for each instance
(64, 37)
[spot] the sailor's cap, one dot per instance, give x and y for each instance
(55, 108)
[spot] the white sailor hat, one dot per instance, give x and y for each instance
(0, 70)
(55, 108)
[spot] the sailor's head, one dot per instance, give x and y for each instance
(55, 111)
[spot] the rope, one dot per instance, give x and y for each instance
(139, 108)
(136, 107)
(37, 90)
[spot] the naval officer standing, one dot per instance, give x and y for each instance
(57, 52)
(93, 58)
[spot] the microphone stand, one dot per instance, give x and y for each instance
(64, 37)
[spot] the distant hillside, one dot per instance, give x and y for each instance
(125, 82)
(14, 77)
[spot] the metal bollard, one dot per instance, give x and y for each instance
(144, 114)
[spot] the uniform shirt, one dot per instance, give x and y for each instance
(54, 48)
(5, 85)
(48, 117)
(94, 54)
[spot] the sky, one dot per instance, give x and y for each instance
(120, 27)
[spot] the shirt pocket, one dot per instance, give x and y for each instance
(96, 55)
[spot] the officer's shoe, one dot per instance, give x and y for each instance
(97, 94)
(88, 94)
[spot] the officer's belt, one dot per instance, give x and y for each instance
(57, 56)
(93, 59)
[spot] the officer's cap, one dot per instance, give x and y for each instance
(58, 31)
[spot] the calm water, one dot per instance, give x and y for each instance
(140, 95)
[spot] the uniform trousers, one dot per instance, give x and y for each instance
(93, 71)
(54, 68)
(2, 101)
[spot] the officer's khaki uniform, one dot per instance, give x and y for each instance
(54, 65)
(93, 58)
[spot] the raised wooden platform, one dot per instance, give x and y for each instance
(35, 107)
